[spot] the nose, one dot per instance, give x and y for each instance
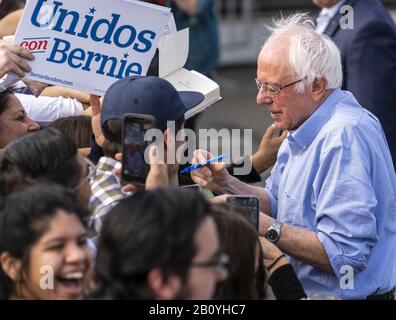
(32, 125)
(264, 98)
(75, 254)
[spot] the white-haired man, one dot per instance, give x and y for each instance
(330, 200)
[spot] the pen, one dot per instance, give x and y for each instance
(200, 165)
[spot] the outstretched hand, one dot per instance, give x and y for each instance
(13, 59)
(265, 157)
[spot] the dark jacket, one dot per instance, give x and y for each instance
(368, 54)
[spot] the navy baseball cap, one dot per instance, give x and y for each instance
(152, 96)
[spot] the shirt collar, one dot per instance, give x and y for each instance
(108, 164)
(306, 133)
(332, 11)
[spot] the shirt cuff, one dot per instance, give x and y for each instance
(339, 261)
(273, 204)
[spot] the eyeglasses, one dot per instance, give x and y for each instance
(274, 91)
(221, 261)
(91, 172)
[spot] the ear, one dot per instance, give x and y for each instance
(318, 90)
(164, 289)
(11, 266)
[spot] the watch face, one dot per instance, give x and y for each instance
(272, 235)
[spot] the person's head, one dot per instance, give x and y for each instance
(8, 6)
(239, 240)
(151, 96)
(77, 128)
(14, 122)
(297, 69)
(160, 244)
(43, 245)
(45, 155)
(325, 3)
(9, 24)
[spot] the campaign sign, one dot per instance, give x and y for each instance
(89, 44)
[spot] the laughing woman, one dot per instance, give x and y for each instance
(43, 245)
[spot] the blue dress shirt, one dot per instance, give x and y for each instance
(334, 176)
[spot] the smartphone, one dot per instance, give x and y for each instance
(134, 167)
(251, 203)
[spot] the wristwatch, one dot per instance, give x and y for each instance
(273, 232)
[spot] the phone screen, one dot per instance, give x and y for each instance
(134, 167)
(251, 203)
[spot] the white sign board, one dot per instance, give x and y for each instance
(89, 44)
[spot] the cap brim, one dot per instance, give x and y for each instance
(191, 99)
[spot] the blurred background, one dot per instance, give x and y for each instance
(242, 33)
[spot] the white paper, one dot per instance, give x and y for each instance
(171, 26)
(173, 52)
(67, 54)
(152, 5)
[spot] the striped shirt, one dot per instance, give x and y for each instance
(106, 192)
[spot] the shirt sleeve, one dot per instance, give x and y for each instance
(272, 183)
(48, 109)
(272, 187)
(346, 201)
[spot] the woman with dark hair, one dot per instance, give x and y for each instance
(77, 128)
(8, 6)
(14, 122)
(159, 244)
(239, 239)
(252, 259)
(45, 155)
(43, 245)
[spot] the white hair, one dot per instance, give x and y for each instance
(311, 54)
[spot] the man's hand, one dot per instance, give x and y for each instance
(13, 59)
(214, 177)
(96, 109)
(265, 157)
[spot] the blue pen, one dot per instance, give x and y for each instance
(200, 165)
